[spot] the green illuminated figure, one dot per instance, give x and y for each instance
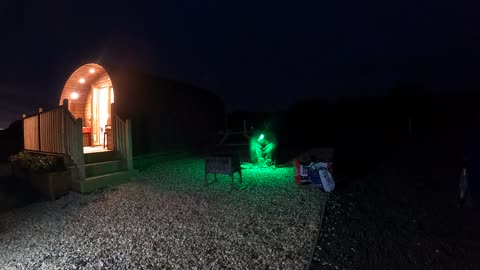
(263, 148)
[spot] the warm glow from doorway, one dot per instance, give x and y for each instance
(74, 95)
(92, 70)
(82, 80)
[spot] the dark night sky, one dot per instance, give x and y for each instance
(258, 55)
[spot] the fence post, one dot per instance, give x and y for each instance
(113, 115)
(128, 144)
(39, 129)
(79, 145)
(64, 119)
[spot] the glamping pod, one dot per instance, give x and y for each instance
(167, 115)
(106, 116)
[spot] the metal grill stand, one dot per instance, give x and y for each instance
(222, 164)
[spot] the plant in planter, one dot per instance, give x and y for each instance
(46, 173)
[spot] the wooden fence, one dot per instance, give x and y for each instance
(73, 140)
(31, 133)
(55, 131)
(122, 140)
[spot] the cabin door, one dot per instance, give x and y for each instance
(101, 113)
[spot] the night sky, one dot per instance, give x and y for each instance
(257, 55)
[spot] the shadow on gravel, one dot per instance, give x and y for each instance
(15, 192)
(403, 215)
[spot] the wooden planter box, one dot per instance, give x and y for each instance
(52, 185)
(21, 174)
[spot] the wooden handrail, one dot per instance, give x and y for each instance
(119, 136)
(51, 109)
(66, 110)
(68, 113)
(72, 141)
(122, 139)
(42, 112)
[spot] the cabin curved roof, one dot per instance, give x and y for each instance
(78, 87)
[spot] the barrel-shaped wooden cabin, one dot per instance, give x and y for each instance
(105, 116)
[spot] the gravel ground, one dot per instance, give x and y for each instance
(167, 219)
(402, 216)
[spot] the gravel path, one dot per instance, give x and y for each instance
(167, 219)
(402, 216)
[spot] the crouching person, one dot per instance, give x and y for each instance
(264, 151)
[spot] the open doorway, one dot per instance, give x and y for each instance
(89, 90)
(102, 98)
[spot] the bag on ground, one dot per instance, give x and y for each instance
(301, 173)
(321, 175)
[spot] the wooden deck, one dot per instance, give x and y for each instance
(94, 149)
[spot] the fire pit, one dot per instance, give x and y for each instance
(222, 164)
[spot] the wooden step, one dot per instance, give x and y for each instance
(95, 182)
(100, 157)
(105, 167)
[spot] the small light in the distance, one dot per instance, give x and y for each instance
(82, 80)
(74, 95)
(92, 70)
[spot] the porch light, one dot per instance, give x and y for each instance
(92, 70)
(74, 95)
(82, 80)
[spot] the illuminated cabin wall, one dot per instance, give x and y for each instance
(80, 107)
(87, 116)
